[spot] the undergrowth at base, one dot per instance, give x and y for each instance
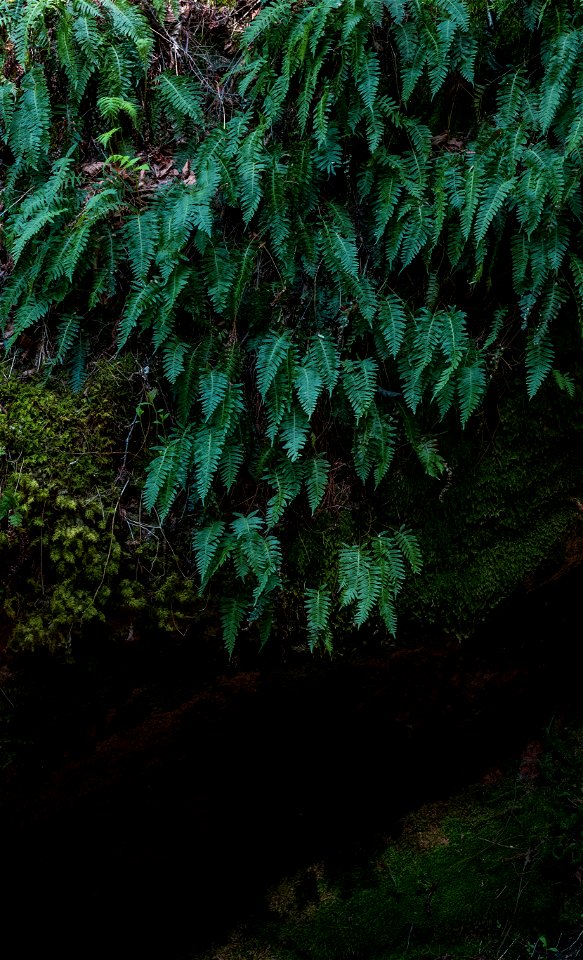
(493, 873)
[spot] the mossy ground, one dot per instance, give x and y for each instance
(492, 873)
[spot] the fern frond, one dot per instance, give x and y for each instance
(29, 130)
(318, 605)
(173, 353)
(272, 352)
(166, 474)
(471, 386)
(316, 472)
(359, 379)
(213, 388)
(409, 547)
(141, 234)
(392, 322)
(252, 161)
(494, 198)
(67, 333)
(207, 450)
(206, 542)
(309, 385)
(181, 96)
(565, 382)
(324, 356)
(539, 360)
(286, 479)
(232, 459)
(293, 431)
(233, 610)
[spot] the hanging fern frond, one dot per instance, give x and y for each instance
(318, 604)
(293, 431)
(359, 379)
(272, 352)
(316, 472)
(206, 542)
(540, 354)
(309, 385)
(233, 611)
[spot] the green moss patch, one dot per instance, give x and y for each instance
(494, 872)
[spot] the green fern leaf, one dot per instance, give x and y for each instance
(272, 353)
(392, 320)
(286, 479)
(252, 161)
(173, 354)
(181, 95)
(565, 382)
(368, 76)
(213, 388)
(68, 332)
(167, 472)
(323, 355)
(232, 459)
(293, 431)
(141, 234)
(31, 121)
(471, 385)
(493, 199)
(318, 604)
(359, 379)
(539, 360)
(309, 385)
(208, 446)
(206, 542)
(233, 610)
(409, 547)
(316, 472)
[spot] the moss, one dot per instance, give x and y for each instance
(483, 875)
(504, 511)
(72, 539)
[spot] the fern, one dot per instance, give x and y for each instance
(141, 235)
(338, 219)
(272, 352)
(206, 543)
(359, 379)
(325, 359)
(308, 384)
(174, 353)
(539, 360)
(293, 431)
(166, 473)
(181, 97)
(207, 450)
(28, 133)
(286, 479)
(252, 162)
(471, 385)
(68, 332)
(494, 197)
(316, 472)
(318, 604)
(213, 388)
(233, 610)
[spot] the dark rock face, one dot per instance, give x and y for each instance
(151, 826)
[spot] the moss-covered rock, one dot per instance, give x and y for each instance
(75, 549)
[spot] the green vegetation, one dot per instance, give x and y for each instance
(70, 560)
(329, 251)
(492, 873)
